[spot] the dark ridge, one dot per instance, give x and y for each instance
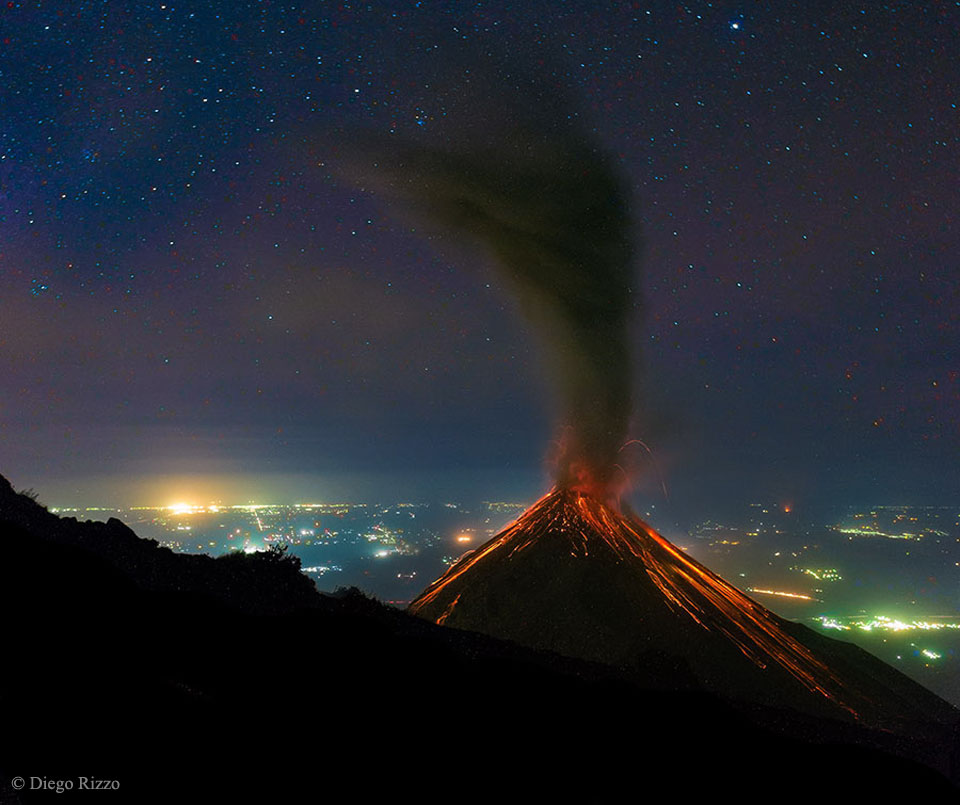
(215, 687)
(262, 583)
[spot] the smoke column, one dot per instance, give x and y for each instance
(553, 212)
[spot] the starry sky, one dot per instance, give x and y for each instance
(196, 298)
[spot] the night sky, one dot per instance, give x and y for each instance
(199, 296)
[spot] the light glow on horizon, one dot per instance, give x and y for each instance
(184, 508)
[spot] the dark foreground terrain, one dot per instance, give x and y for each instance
(192, 679)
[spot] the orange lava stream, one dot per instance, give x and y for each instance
(448, 610)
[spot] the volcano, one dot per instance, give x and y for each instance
(574, 576)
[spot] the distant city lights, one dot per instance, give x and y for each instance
(823, 573)
(881, 622)
(183, 508)
(319, 570)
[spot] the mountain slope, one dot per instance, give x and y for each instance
(575, 577)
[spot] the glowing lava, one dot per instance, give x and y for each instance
(495, 589)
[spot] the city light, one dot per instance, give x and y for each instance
(823, 573)
(182, 508)
(883, 623)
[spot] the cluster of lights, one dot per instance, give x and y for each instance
(872, 532)
(502, 506)
(823, 574)
(885, 623)
(881, 622)
(191, 508)
(321, 569)
(185, 508)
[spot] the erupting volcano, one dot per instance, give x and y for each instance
(575, 537)
(574, 576)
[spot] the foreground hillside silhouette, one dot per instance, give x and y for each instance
(198, 678)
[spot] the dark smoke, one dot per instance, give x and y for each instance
(554, 213)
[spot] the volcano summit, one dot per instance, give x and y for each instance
(574, 576)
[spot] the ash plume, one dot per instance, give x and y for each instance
(551, 208)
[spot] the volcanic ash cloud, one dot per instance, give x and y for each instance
(553, 213)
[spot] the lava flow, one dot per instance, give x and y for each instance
(574, 576)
